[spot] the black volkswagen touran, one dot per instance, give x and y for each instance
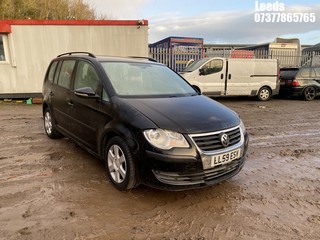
(143, 120)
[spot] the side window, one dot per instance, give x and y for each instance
(317, 72)
(312, 73)
(56, 76)
(213, 66)
(66, 73)
(2, 54)
(105, 96)
(52, 71)
(86, 76)
(305, 72)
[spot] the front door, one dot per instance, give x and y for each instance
(212, 78)
(86, 111)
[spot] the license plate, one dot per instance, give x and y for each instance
(225, 157)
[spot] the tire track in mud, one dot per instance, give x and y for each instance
(54, 190)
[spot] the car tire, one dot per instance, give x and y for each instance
(120, 165)
(309, 93)
(264, 94)
(49, 125)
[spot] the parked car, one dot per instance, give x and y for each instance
(143, 120)
(300, 82)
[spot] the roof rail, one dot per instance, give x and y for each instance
(146, 58)
(71, 53)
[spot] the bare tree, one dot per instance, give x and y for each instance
(46, 9)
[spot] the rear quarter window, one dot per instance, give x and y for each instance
(305, 72)
(52, 70)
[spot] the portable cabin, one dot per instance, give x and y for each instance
(27, 46)
(287, 51)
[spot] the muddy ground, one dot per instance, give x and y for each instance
(52, 189)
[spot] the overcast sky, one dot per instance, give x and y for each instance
(217, 21)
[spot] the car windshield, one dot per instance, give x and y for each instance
(195, 65)
(145, 79)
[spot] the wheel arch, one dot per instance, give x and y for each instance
(112, 130)
(266, 86)
(45, 105)
(313, 86)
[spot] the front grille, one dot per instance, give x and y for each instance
(209, 176)
(211, 142)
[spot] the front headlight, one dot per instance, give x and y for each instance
(165, 139)
(243, 128)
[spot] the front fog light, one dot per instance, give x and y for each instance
(206, 161)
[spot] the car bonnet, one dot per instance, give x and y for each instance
(192, 114)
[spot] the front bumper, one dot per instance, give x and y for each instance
(177, 172)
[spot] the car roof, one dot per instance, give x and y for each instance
(104, 58)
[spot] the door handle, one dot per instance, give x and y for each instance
(229, 76)
(221, 77)
(51, 93)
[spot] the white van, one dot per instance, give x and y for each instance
(234, 77)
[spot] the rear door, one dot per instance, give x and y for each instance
(60, 93)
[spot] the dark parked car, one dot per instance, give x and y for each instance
(143, 120)
(300, 82)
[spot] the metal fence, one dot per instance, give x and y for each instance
(177, 58)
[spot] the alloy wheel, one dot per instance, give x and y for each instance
(309, 93)
(117, 164)
(48, 123)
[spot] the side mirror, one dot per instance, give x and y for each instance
(196, 89)
(86, 92)
(201, 71)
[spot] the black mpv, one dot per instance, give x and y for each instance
(143, 120)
